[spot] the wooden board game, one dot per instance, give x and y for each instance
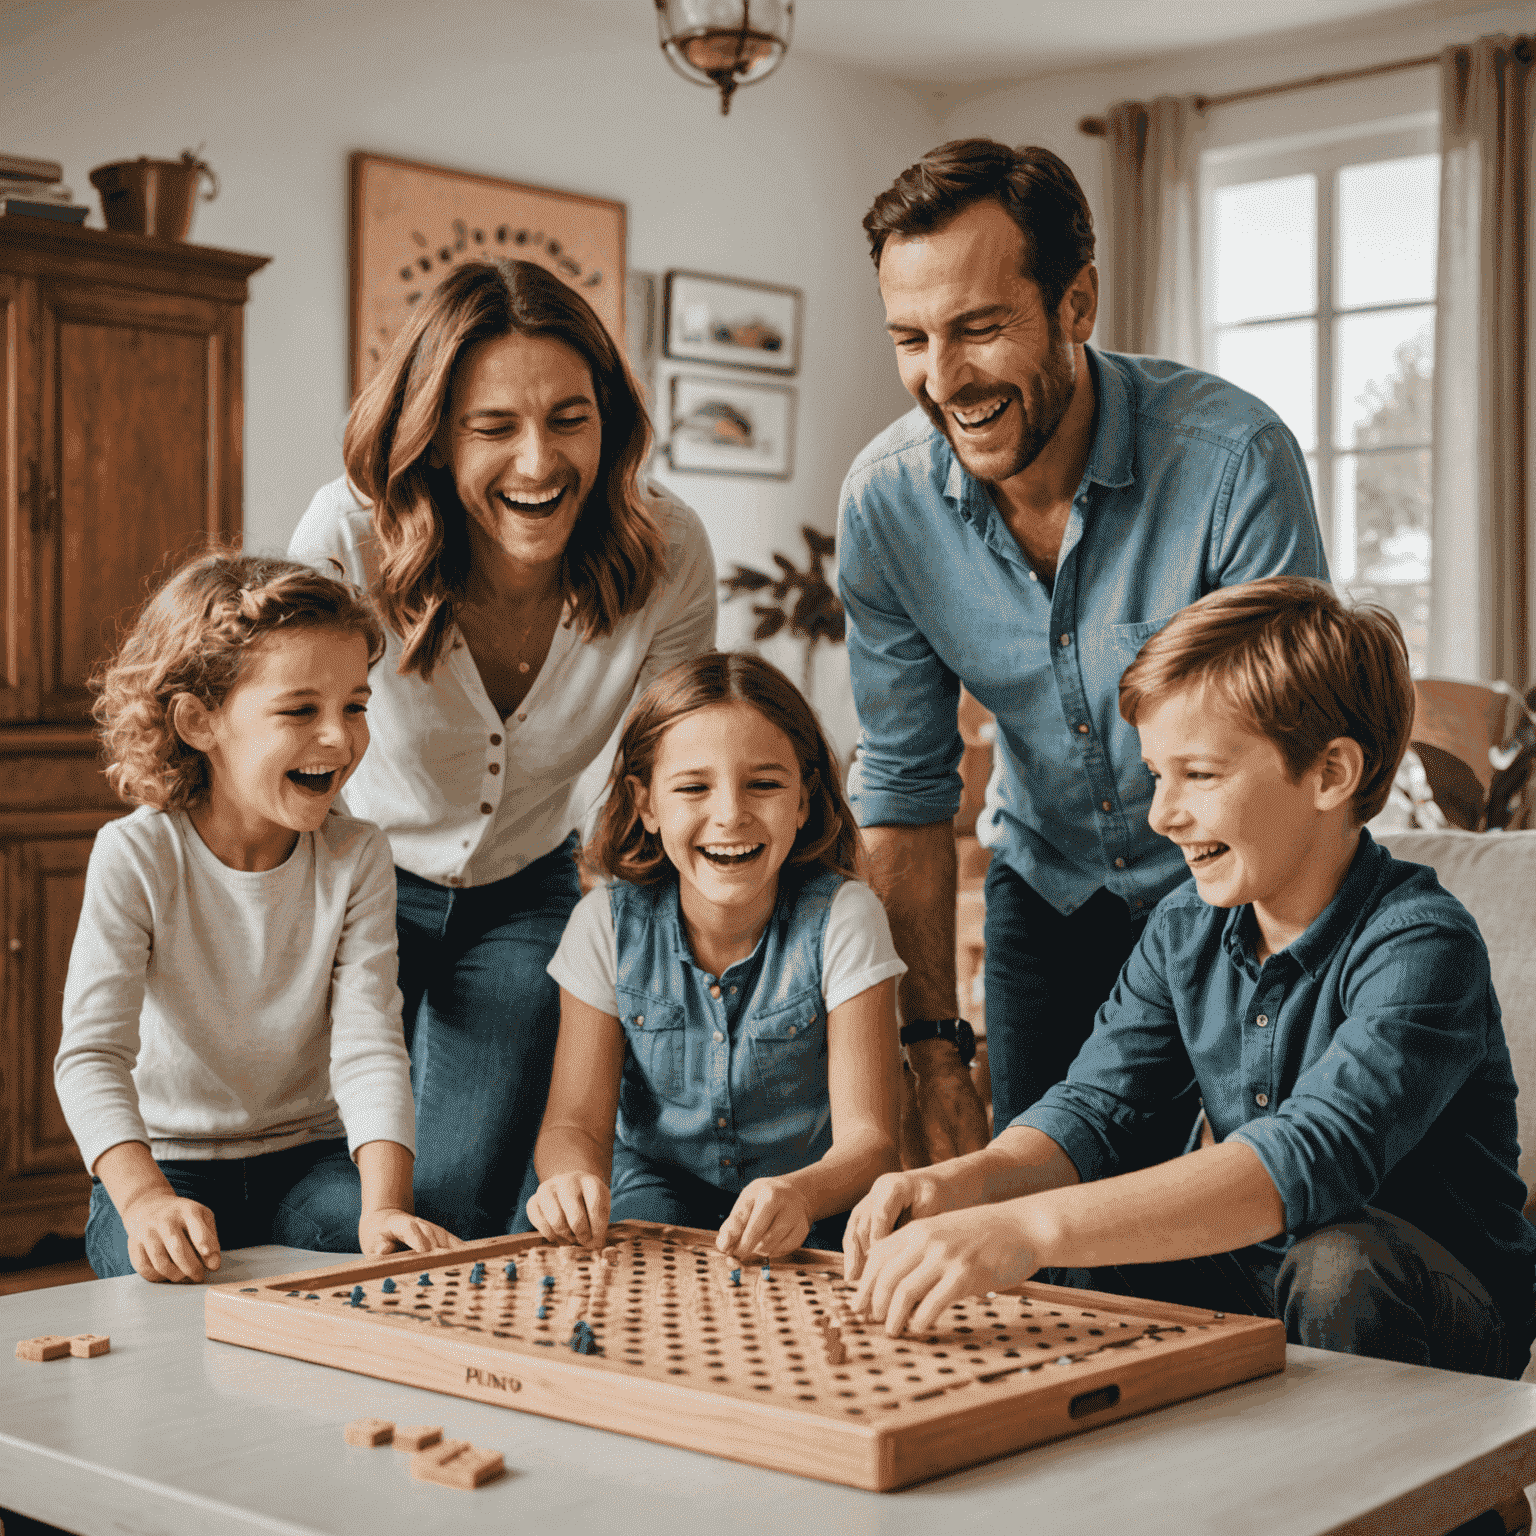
(654, 1337)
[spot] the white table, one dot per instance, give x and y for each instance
(171, 1435)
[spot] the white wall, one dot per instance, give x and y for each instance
(280, 91)
(1046, 110)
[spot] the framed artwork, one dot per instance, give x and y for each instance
(725, 320)
(730, 427)
(412, 223)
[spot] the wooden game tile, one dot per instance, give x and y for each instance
(457, 1464)
(369, 1432)
(417, 1437)
(47, 1346)
(86, 1346)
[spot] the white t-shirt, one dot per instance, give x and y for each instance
(219, 1013)
(466, 797)
(856, 949)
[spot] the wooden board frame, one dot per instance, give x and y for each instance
(1165, 1355)
(408, 217)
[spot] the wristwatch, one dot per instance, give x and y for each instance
(957, 1031)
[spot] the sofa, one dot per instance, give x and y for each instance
(1493, 874)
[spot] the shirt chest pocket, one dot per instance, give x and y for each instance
(787, 1051)
(657, 1040)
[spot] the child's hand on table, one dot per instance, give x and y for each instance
(770, 1217)
(893, 1200)
(170, 1238)
(571, 1208)
(911, 1276)
(388, 1228)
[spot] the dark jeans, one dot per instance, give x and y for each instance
(1371, 1284)
(648, 1191)
(481, 1017)
(1046, 976)
(306, 1197)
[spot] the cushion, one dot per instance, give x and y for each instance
(1493, 875)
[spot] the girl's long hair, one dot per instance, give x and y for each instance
(616, 553)
(621, 846)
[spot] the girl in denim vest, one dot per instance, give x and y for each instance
(727, 1054)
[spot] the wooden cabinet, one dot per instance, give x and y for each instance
(121, 430)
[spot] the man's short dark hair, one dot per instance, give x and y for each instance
(1036, 189)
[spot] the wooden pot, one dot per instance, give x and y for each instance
(152, 197)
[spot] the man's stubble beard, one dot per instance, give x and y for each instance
(1050, 396)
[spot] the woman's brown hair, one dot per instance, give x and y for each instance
(194, 636)
(621, 846)
(616, 552)
(1294, 665)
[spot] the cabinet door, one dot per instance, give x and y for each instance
(43, 1186)
(44, 886)
(22, 504)
(140, 429)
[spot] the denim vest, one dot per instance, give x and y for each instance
(725, 1077)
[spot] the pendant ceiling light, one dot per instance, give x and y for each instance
(725, 43)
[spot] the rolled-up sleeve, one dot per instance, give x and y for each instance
(1420, 1006)
(1129, 1069)
(1270, 527)
(907, 772)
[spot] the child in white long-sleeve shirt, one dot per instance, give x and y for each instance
(232, 1037)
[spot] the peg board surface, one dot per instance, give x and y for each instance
(774, 1370)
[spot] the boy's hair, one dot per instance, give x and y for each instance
(1036, 189)
(193, 636)
(1294, 665)
(621, 846)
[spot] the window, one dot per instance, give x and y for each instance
(1320, 299)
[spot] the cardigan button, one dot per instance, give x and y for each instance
(486, 807)
(495, 739)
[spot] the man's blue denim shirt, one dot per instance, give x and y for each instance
(1365, 1064)
(1190, 485)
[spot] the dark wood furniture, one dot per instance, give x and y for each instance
(120, 451)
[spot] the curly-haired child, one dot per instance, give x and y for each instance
(232, 1037)
(731, 995)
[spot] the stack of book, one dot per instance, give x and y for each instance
(35, 188)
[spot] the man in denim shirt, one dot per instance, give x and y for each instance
(1357, 1177)
(1045, 510)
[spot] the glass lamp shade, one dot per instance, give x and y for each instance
(725, 43)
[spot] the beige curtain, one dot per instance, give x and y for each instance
(1154, 166)
(1484, 559)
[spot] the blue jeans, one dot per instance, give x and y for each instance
(306, 1197)
(644, 1190)
(481, 1017)
(1046, 976)
(1371, 1284)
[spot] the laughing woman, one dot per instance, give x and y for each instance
(530, 586)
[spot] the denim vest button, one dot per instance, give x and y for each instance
(1262, 1020)
(639, 1021)
(1261, 1099)
(714, 991)
(718, 1037)
(792, 1029)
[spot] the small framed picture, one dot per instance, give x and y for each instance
(731, 322)
(730, 427)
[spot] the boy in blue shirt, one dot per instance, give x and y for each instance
(1356, 1172)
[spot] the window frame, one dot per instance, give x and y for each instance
(1322, 155)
